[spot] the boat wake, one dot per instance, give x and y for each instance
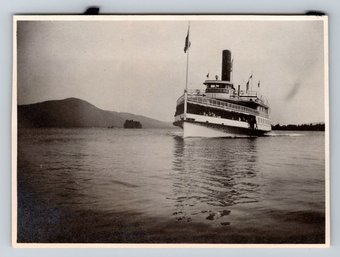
(179, 134)
(284, 135)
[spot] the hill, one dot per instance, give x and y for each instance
(74, 112)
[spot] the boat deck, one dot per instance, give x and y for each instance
(210, 102)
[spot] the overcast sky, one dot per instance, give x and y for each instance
(139, 66)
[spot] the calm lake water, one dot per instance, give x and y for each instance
(150, 185)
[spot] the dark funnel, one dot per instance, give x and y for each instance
(226, 65)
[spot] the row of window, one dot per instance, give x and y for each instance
(217, 113)
(221, 104)
(262, 109)
(217, 90)
(263, 121)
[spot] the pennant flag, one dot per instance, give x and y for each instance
(258, 84)
(251, 76)
(187, 42)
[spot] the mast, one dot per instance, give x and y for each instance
(186, 50)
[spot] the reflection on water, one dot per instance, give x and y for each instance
(212, 174)
(249, 185)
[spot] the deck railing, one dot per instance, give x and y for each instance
(195, 97)
(221, 104)
(180, 100)
(249, 93)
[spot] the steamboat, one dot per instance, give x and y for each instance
(221, 110)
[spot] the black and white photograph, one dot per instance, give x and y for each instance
(173, 130)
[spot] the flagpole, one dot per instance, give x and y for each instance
(186, 79)
(186, 76)
(186, 87)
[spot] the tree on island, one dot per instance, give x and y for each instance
(132, 124)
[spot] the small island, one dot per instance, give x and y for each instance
(132, 124)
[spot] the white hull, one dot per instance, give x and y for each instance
(196, 130)
(205, 126)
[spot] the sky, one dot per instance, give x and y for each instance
(140, 66)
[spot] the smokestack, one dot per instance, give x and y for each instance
(226, 65)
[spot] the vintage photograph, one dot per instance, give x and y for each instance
(185, 130)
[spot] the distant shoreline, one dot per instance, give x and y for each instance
(300, 127)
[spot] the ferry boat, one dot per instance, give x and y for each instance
(221, 110)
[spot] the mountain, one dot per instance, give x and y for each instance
(74, 112)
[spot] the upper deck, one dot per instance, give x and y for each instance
(224, 90)
(208, 102)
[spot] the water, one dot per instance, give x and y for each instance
(150, 185)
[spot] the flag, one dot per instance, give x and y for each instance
(187, 42)
(258, 84)
(208, 75)
(251, 76)
(247, 85)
